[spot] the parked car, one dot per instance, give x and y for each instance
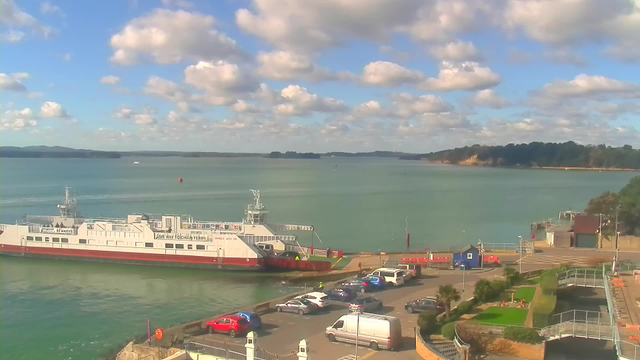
(367, 304)
(290, 255)
(424, 304)
(341, 294)
(377, 281)
(267, 248)
(391, 276)
(358, 285)
(413, 270)
(232, 325)
(373, 330)
(254, 320)
(300, 306)
(318, 298)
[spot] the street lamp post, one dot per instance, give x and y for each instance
(520, 254)
(617, 234)
(481, 244)
(464, 270)
(357, 331)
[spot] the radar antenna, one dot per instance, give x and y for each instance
(68, 208)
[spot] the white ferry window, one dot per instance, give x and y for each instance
(199, 247)
(46, 239)
(38, 238)
(179, 246)
(148, 244)
(168, 246)
(55, 239)
(226, 227)
(65, 240)
(82, 241)
(30, 238)
(190, 247)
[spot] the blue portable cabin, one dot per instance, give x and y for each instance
(468, 256)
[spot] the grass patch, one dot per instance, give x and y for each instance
(322, 258)
(525, 293)
(342, 264)
(502, 316)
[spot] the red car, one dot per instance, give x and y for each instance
(231, 325)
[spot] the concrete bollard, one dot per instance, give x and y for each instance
(251, 345)
(303, 350)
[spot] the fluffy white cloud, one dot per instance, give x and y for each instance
(385, 73)
(467, 76)
(110, 80)
(456, 51)
(489, 98)
(48, 9)
(298, 101)
(528, 125)
(12, 81)
(53, 110)
(586, 85)
(13, 36)
(243, 107)
(17, 120)
(626, 52)
(407, 106)
(566, 56)
(546, 21)
(165, 89)
(186, 107)
(146, 117)
(169, 37)
(13, 17)
(285, 66)
(217, 77)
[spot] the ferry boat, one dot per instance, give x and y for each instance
(171, 240)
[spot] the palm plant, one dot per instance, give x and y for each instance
(445, 295)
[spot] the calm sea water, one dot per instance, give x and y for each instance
(67, 310)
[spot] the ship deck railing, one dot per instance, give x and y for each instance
(253, 239)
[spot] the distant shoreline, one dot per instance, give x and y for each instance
(533, 167)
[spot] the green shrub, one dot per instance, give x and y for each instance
(521, 334)
(449, 330)
(511, 276)
(483, 290)
(453, 317)
(464, 307)
(543, 310)
(549, 285)
(427, 322)
(497, 287)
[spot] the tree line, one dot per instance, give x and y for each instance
(538, 154)
(627, 205)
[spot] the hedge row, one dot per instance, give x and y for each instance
(543, 310)
(521, 334)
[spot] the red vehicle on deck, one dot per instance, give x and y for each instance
(231, 325)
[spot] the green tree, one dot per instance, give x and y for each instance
(630, 206)
(604, 204)
(483, 290)
(427, 322)
(511, 275)
(447, 294)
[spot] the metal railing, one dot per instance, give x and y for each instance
(582, 278)
(223, 350)
(580, 323)
(624, 349)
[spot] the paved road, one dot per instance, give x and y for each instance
(283, 331)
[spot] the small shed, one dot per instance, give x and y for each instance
(468, 256)
(585, 228)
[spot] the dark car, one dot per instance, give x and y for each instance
(367, 304)
(359, 285)
(425, 304)
(377, 281)
(289, 254)
(341, 294)
(254, 320)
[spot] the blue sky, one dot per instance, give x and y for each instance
(318, 75)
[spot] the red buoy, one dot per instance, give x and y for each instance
(180, 180)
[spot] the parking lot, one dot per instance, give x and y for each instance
(282, 332)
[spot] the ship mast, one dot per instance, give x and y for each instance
(68, 208)
(256, 213)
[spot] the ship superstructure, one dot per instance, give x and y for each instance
(146, 238)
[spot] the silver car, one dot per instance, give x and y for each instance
(300, 306)
(367, 304)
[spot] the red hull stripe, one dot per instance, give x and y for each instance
(116, 255)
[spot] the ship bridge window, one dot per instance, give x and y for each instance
(148, 244)
(30, 238)
(55, 239)
(190, 247)
(65, 240)
(38, 238)
(168, 246)
(82, 241)
(179, 246)
(199, 247)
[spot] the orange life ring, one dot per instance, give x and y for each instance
(159, 334)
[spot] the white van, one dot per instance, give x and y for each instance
(391, 276)
(375, 331)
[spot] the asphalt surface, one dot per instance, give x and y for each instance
(282, 332)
